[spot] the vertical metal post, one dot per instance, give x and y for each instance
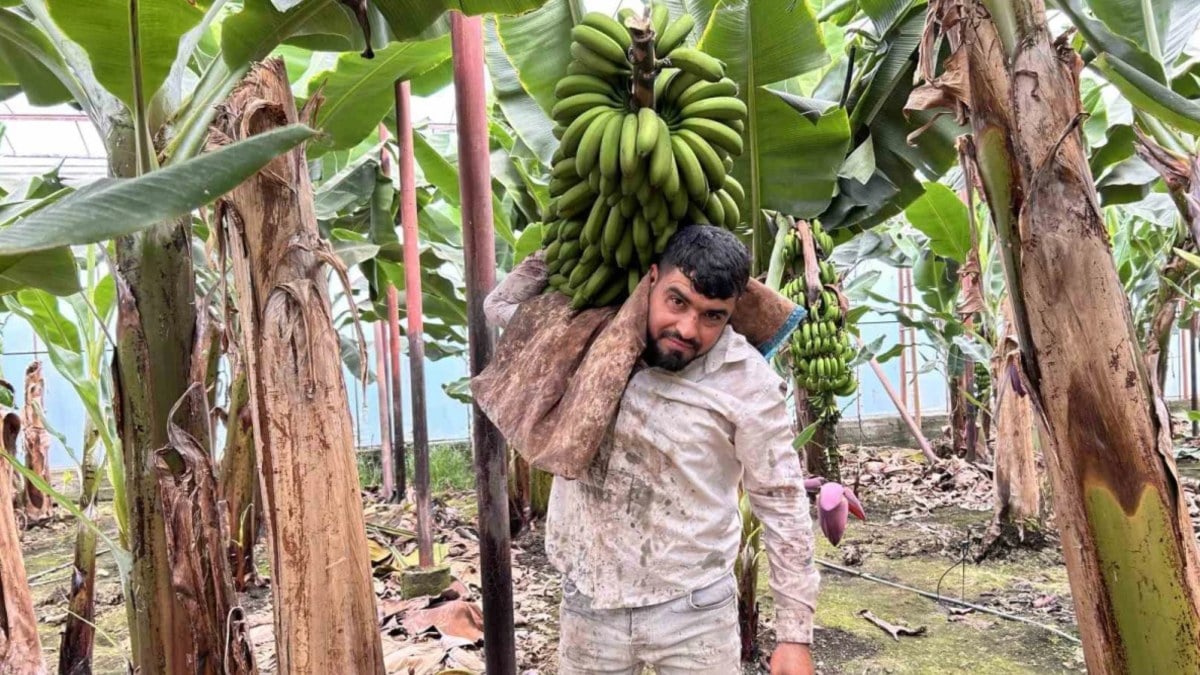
(385, 427)
(397, 393)
(415, 314)
(1195, 355)
(491, 470)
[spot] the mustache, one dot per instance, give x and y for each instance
(676, 336)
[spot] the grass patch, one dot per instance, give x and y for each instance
(450, 466)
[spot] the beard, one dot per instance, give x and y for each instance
(668, 359)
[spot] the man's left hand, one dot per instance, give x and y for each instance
(792, 658)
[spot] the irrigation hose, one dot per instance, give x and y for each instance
(960, 603)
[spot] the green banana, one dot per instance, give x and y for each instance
(574, 200)
(714, 132)
(582, 271)
(567, 109)
(614, 229)
(597, 281)
(643, 239)
(660, 243)
(571, 230)
(600, 43)
(632, 281)
(674, 35)
(689, 168)
(680, 84)
(661, 158)
(629, 206)
(648, 130)
(610, 145)
(629, 137)
(575, 131)
(596, 63)
(709, 160)
(564, 169)
(623, 256)
(696, 62)
(733, 215)
(719, 108)
(714, 209)
(705, 89)
(663, 82)
(611, 293)
(735, 189)
(567, 266)
(607, 25)
(571, 85)
(594, 226)
(659, 17)
(589, 145)
(678, 206)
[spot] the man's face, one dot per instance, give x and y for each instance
(682, 324)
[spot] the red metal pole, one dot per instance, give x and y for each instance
(491, 470)
(415, 314)
(385, 427)
(398, 467)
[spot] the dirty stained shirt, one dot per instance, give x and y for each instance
(657, 514)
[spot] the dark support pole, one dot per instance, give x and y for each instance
(393, 327)
(1195, 356)
(491, 469)
(415, 314)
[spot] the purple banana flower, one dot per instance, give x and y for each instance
(834, 503)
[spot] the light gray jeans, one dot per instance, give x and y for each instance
(696, 634)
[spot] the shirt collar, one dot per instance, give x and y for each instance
(730, 348)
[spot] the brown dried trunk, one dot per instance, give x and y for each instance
(197, 553)
(1127, 538)
(239, 484)
(78, 638)
(1017, 490)
(324, 604)
(20, 647)
(38, 506)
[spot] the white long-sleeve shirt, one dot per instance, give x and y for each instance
(657, 515)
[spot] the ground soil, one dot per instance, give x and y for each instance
(921, 522)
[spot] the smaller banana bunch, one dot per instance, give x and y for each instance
(821, 346)
(625, 176)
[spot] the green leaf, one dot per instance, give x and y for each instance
(52, 271)
(529, 241)
(49, 322)
(352, 247)
(763, 43)
(526, 57)
(1188, 256)
(942, 217)
(1103, 40)
(860, 164)
(28, 59)
(806, 435)
(1149, 95)
(110, 208)
(103, 29)
(408, 18)
(359, 92)
(444, 176)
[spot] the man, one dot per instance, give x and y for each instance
(646, 541)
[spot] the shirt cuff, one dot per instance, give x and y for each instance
(794, 625)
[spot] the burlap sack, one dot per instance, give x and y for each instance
(555, 383)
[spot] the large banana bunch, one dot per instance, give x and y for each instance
(623, 178)
(820, 347)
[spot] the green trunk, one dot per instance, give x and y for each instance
(156, 321)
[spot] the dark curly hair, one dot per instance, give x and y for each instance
(716, 262)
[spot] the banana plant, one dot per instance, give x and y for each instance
(77, 350)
